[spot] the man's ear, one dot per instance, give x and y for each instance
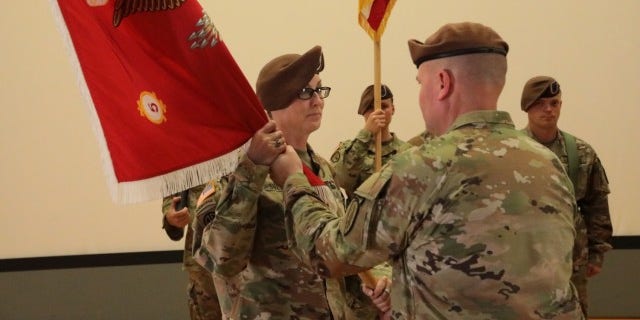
(446, 84)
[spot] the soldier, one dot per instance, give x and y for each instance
(245, 242)
(202, 297)
(354, 159)
(478, 223)
(542, 101)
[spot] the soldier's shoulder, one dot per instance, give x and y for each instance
(584, 148)
(339, 150)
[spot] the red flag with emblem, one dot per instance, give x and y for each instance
(170, 107)
(373, 15)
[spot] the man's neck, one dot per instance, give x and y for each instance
(544, 135)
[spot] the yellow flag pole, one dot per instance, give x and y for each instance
(377, 99)
(367, 277)
(365, 7)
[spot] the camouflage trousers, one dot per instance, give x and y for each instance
(579, 280)
(203, 300)
(581, 260)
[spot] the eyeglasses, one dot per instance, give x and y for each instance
(307, 93)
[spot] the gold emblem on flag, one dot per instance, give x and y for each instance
(151, 107)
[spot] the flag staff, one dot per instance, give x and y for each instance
(377, 80)
(372, 17)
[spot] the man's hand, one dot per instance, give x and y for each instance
(180, 218)
(380, 297)
(267, 143)
(285, 165)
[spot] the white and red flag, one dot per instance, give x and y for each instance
(373, 15)
(170, 107)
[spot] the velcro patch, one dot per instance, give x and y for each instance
(208, 190)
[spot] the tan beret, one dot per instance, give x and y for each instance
(456, 39)
(282, 78)
(536, 88)
(366, 100)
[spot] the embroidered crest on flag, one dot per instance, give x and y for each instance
(151, 107)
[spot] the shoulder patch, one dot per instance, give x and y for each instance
(361, 215)
(208, 190)
(336, 156)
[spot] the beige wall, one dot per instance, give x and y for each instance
(52, 190)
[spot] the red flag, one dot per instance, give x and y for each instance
(373, 15)
(170, 107)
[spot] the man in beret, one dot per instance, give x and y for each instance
(477, 223)
(354, 160)
(542, 101)
(244, 242)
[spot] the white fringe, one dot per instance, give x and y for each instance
(152, 188)
(176, 181)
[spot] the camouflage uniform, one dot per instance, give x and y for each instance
(203, 301)
(354, 159)
(591, 191)
(421, 138)
(479, 224)
(245, 246)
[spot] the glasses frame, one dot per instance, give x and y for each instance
(307, 93)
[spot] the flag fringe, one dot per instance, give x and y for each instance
(105, 156)
(151, 188)
(179, 180)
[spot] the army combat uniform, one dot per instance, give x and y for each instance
(354, 160)
(478, 224)
(420, 139)
(245, 246)
(591, 191)
(202, 298)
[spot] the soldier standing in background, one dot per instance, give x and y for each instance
(202, 297)
(354, 159)
(542, 101)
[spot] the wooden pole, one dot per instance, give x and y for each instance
(366, 276)
(376, 99)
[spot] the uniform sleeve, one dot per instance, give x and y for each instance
(205, 212)
(228, 239)
(348, 161)
(594, 208)
(174, 233)
(337, 246)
